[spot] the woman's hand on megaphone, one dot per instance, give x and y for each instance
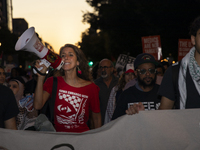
(41, 68)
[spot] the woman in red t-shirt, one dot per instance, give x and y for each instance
(77, 97)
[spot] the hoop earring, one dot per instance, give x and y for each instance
(79, 70)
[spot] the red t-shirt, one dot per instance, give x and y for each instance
(72, 105)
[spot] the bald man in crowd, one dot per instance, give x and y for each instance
(106, 82)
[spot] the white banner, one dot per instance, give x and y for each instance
(148, 130)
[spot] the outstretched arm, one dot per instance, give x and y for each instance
(40, 96)
(10, 124)
(166, 103)
(96, 118)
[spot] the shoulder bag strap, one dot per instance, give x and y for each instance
(53, 99)
(175, 74)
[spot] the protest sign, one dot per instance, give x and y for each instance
(152, 45)
(122, 60)
(184, 46)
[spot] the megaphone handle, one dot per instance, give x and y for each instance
(35, 70)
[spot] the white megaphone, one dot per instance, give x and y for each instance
(29, 41)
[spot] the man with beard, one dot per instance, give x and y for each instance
(106, 82)
(184, 92)
(144, 93)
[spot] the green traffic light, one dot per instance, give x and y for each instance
(90, 63)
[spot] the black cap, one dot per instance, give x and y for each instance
(20, 79)
(144, 58)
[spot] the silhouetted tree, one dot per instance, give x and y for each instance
(116, 26)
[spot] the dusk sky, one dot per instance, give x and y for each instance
(57, 22)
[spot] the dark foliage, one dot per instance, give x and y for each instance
(116, 26)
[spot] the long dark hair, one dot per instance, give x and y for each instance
(121, 83)
(83, 62)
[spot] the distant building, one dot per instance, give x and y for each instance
(19, 26)
(6, 14)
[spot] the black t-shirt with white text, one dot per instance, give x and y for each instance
(150, 100)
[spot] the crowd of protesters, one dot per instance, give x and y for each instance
(84, 98)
